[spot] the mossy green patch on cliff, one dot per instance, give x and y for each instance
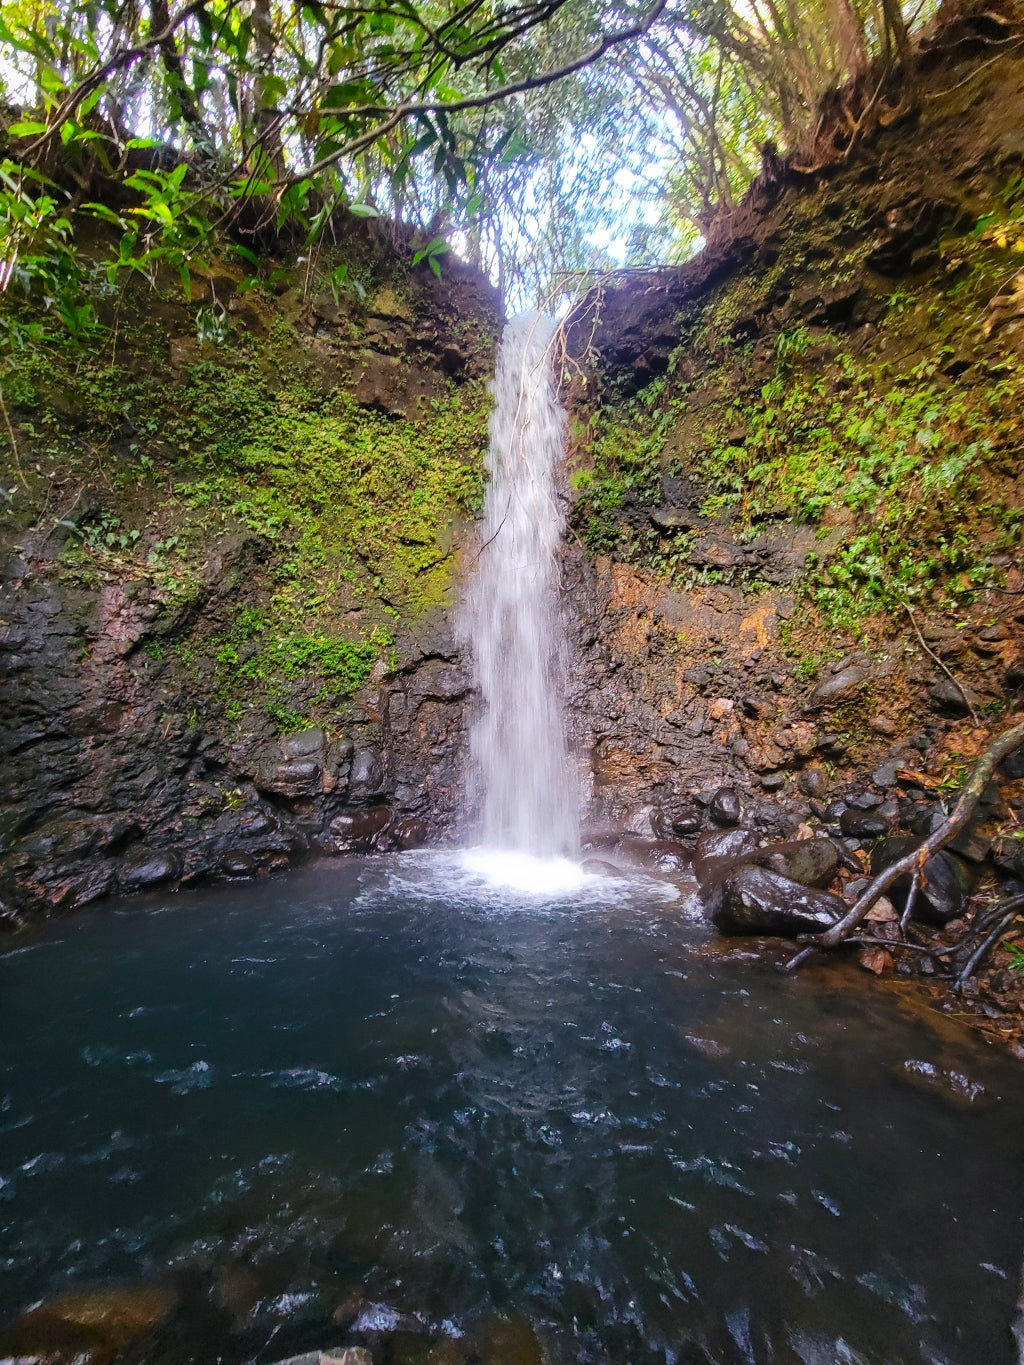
(624, 467)
(256, 434)
(357, 495)
(338, 451)
(898, 441)
(265, 653)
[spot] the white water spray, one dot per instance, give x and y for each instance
(522, 783)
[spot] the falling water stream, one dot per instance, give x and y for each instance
(522, 788)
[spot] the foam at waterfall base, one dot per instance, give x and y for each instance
(526, 873)
(502, 881)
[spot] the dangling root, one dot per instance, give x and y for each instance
(914, 861)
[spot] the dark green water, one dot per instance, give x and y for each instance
(366, 1073)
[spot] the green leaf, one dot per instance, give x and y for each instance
(103, 212)
(438, 247)
(363, 211)
(27, 128)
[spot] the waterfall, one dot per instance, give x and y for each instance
(522, 787)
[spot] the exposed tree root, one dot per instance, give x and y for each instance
(914, 861)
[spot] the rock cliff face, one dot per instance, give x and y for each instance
(226, 579)
(796, 480)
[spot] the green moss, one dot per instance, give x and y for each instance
(251, 433)
(906, 472)
(267, 657)
(626, 444)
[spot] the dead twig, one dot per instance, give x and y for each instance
(928, 650)
(858, 939)
(14, 444)
(983, 949)
(908, 909)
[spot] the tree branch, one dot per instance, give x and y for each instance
(914, 861)
(118, 62)
(410, 109)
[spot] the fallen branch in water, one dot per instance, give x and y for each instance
(914, 861)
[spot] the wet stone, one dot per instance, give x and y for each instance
(950, 699)
(662, 855)
(717, 846)
(756, 900)
(410, 832)
(147, 867)
(357, 830)
(813, 782)
(367, 773)
(682, 820)
(724, 807)
(838, 687)
(885, 774)
(970, 845)
(304, 743)
(926, 820)
(597, 867)
(235, 862)
(811, 862)
(945, 887)
(863, 824)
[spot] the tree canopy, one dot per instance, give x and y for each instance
(541, 138)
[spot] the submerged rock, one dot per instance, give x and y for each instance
(597, 867)
(88, 1326)
(756, 900)
(508, 1339)
(945, 885)
(953, 1087)
(342, 1355)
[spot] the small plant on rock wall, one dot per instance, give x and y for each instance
(792, 344)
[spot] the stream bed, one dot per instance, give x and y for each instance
(377, 1101)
